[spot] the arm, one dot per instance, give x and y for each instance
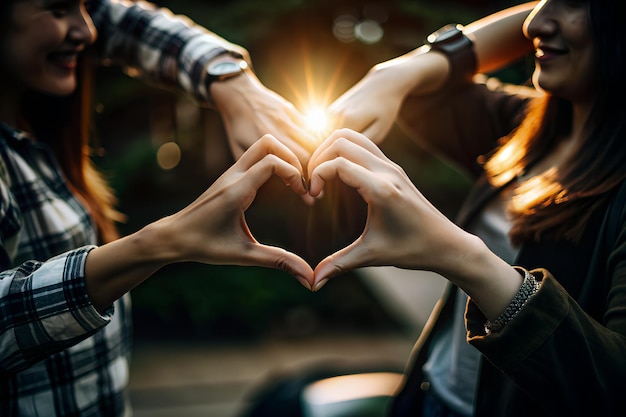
(210, 230)
(403, 229)
(156, 44)
(49, 306)
(171, 50)
(373, 104)
(553, 350)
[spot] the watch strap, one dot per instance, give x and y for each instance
(458, 49)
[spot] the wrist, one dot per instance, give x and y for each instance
(527, 290)
(231, 96)
(113, 269)
(415, 73)
(223, 68)
(156, 244)
(489, 281)
(458, 48)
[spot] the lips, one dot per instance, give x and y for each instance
(65, 59)
(545, 52)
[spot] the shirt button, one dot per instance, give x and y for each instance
(425, 386)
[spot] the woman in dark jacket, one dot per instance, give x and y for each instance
(537, 268)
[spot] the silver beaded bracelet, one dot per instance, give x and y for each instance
(529, 287)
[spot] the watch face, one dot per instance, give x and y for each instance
(227, 68)
(445, 34)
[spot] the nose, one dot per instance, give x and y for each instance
(82, 28)
(540, 22)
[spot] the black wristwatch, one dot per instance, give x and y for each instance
(458, 48)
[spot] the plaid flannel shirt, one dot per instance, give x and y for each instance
(58, 355)
(156, 45)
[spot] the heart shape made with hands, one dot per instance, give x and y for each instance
(280, 217)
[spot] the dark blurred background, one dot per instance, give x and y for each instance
(160, 150)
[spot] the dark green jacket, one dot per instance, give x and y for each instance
(565, 353)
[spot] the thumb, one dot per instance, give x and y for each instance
(339, 263)
(281, 259)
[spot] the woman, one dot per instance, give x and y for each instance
(540, 244)
(64, 342)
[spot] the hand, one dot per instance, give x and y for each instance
(370, 107)
(213, 228)
(210, 230)
(250, 110)
(403, 228)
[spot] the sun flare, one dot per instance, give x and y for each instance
(316, 120)
(312, 90)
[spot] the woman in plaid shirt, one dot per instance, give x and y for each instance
(64, 323)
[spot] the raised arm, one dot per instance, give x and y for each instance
(171, 50)
(373, 104)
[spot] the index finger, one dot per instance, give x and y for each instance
(268, 144)
(321, 153)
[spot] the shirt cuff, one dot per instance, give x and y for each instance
(72, 315)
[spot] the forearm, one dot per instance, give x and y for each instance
(490, 282)
(114, 269)
(498, 38)
(417, 72)
(156, 44)
(498, 41)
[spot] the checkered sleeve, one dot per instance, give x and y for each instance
(156, 45)
(44, 308)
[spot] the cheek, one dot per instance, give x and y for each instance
(23, 65)
(587, 73)
(27, 54)
(13, 59)
(584, 63)
(577, 31)
(39, 38)
(580, 40)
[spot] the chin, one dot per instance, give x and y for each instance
(63, 92)
(539, 83)
(63, 87)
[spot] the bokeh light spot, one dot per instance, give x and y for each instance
(369, 31)
(168, 155)
(344, 28)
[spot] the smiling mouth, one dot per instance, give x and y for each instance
(545, 53)
(65, 60)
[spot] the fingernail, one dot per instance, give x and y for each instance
(304, 283)
(320, 284)
(305, 184)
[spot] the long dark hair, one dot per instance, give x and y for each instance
(558, 204)
(65, 124)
